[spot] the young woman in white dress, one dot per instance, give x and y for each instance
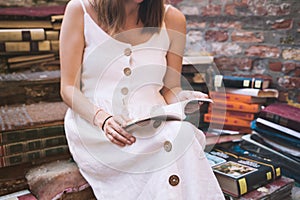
(119, 60)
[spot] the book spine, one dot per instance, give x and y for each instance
(32, 156)
(237, 106)
(29, 46)
(25, 146)
(226, 120)
(238, 82)
(52, 35)
(31, 134)
(281, 120)
(10, 35)
(231, 113)
(229, 97)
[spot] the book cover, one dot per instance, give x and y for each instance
(232, 113)
(282, 114)
(277, 190)
(266, 93)
(29, 46)
(240, 82)
(223, 96)
(175, 111)
(238, 175)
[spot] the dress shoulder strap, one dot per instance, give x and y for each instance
(83, 6)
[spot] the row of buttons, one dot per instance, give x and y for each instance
(173, 179)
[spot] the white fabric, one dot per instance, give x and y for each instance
(142, 170)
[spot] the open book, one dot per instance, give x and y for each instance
(174, 111)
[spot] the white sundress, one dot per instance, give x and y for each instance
(167, 160)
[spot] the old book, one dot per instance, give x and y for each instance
(277, 127)
(277, 190)
(17, 59)
(29, 87)
(267, 93)
(29, 46)
(52, 35)
(237, 106)
(26, 117)
(232, 121)
(31, 145)
(213, 139)
(282, 114)
(175, 111)
(8, 35)
(30, 63)
(31, 156)
(223, 96)
(232, 113)
(46, 24)
(240, 82)
(238, 175)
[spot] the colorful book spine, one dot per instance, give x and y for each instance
(221, 96)
(31, 145)
(29, 46)
(231, 113)
(240, 82)
(226, 120)
(32, 156)
(237, 106)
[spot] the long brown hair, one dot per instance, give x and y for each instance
(111, 14)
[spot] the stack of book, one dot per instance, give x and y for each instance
(29, 37)
(238, 103)
(277, 128)
(244, 175)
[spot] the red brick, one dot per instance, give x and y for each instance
(226, 49)
(212, 10)
(263, 51)
(288, 82)
(246, 37)
(216, 36)
(283, 24)
(288, 67)
(275, 66)
(277, 10)
(230, 64)
(297, 72)
(226, 25)
(193, 24)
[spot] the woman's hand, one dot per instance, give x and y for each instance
(115, 133)
(188, 94)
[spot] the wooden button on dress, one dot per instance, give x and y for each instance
(127, 71)
(174, 180)
(168, 146)
(127, 52)
(156, 123)
(124, 90)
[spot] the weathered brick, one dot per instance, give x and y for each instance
(216, 36)
(289, 82)
(226, 49)
(291, 54)
(275, 66)
(283, 24)
(257, 7)
(277, 10)
(288, 67)
(246, 37)
(226, 25)
(195, 25)
(263, 51)
(283, 96)
(230, 64)
(189, 10)
(297, 72)
(211, 10)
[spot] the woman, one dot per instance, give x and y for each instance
(113, 69)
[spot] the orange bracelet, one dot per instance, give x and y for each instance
(96, 113)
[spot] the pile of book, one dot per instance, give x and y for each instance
(29, 37)
(237, 101)
(31, 109)
(244, 175)
(277, 129)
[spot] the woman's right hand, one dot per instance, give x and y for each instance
(115, 133)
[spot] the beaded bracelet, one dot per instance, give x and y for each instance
(107, 118)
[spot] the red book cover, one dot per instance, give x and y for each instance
(31, 12)
(282, 114)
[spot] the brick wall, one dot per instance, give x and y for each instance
(248, 37)
(245, 36)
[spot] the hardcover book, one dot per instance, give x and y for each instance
(231, 121)
(282, 114)
(237, 106)
(238, 175)
(267, 93)
(240, 82)
(9, 35)
(222, 96)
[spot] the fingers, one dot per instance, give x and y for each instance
(116, 134)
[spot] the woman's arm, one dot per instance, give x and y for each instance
(176, 24)
(71, 55)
